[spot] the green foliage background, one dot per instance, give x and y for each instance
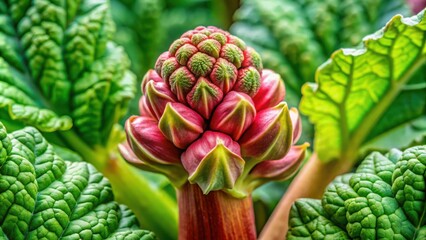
(63, 71)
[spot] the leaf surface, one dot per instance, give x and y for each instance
(381, 200)
(59, 68)
(356, 88)
(44, 196)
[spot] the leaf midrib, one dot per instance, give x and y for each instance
(421, 222)
(373, 115)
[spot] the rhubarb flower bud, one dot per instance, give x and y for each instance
(149, 143)
(180, 124)
(150, 75)
(248, 81)
(269, 136)
(204, 97)
(234, 115)
(144, 109)
(252, 58)
(271, 91)
(131, 157)
(158, 95)
(181, 82)
(297, 124)
(208, 109)
(224, 75)
(159, 64)
(283, 168)
(216, 153)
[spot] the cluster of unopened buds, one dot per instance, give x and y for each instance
(212, 116)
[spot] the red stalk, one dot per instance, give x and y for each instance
(216, 215)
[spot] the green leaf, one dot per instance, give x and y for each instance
(44, 196)
(381, 200)
(421, 234)
(307, 221)
(409, 184)
(58, 66)
(67, 154)
(100, 96)
(334, 199)
(404, 119)
(379, 165)
(356, 87)
(16, 103)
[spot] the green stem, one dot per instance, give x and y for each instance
(95, 157)
(242, 186)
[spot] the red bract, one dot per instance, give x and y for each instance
(149, 143)
(270, 135)
(279, 169)
(271, 92)
(210, 108)
(180, 124)
(150, 75)
(234, 115)
(215, 153)
(158, 95)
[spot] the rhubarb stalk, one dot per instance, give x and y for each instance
(216, 215)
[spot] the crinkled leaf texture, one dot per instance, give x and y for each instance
(384, 199)
(43, 196)
(58, 68)
(363, 95)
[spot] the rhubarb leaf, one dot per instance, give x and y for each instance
(381, 200)
(308, 221)
(44, 196)
(59, 68)
(356, 88)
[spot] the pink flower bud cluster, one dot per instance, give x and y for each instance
(212, 116)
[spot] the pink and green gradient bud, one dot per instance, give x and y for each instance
(212, 116)
(213, 161)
